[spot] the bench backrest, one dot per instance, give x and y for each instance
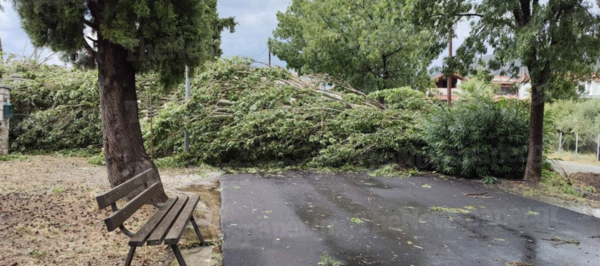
(118, 217)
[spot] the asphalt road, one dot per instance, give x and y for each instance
(296, 218)
(571, 167)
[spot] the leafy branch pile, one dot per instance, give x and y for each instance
(241, 114)
(58, 109)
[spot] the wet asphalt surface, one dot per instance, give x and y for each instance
(295, 218)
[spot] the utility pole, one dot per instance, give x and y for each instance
(449, 79)
(269, 56)
(186, 140)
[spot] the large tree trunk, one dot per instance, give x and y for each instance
(122, 136)
(533, 171)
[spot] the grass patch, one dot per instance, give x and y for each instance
(555, 183)
(586, 158)
(58, 189)
(326, 260)
(14, 157)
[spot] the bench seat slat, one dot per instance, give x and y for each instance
(179, 225)
(140, 237)
(122, 190)
(158, 235)
(117, 218)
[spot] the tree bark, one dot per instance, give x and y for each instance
(533, 170)
(122, 136)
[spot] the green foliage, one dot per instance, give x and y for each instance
(554, 182)
(355, 220)
(402, 98)
(450, 210)
(590, 189)
(170, 162)
(98, 159)
(489, 180)
(57, 109)
(243, 114)
(13, 157)
(478, 138)
(476, 87)
(58, 189)
(554, 40)
(161, 36)
(393, 170)
(577, 116)
(326, 260)
(367, 43)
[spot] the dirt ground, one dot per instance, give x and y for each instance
(539, 192)
(49, 216)
(586, 179)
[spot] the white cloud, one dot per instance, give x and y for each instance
(15, 40)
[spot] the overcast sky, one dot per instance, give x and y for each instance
(256, 18)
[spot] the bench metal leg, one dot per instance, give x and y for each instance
(197, 231)
(130, 255)
(178, 255)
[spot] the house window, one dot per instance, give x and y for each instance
(506, 90)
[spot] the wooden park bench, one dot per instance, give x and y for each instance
(166, 225)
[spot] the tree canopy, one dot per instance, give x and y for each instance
(367, 43)
(555, 40)
(161, 36)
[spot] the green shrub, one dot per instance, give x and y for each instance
(479, 138)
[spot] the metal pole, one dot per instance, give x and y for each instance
(449, 79)
(598, 149)
(560, 142)
(576, 144)
(186, 139)
(269, 56)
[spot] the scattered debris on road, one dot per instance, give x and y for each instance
(557, 241)
(478, 195)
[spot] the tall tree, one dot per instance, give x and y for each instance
(367, 43)
(557, 42)
(125, 38)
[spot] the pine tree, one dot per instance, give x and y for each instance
(126, 37)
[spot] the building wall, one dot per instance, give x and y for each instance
(4, 98)
(524, 91)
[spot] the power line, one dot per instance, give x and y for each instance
(263, 53)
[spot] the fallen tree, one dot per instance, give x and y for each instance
(240, 113)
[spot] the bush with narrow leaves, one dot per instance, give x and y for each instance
(479, 138)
